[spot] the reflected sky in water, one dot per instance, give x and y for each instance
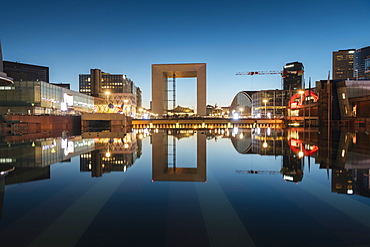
(236, 187)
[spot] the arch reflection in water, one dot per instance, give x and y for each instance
(161, 170)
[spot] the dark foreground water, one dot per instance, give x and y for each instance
(188, 188)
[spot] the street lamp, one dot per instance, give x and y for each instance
(265, 101)
(107, 95)
(125, 104)
(301, 92)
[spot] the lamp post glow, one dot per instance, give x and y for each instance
(106, 99)
(126, 106)
(301, 92)
(265, 101)
(241, 111)
(107, 95)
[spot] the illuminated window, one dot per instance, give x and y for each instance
(343, 95)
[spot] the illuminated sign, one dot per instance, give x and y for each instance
(288, 178)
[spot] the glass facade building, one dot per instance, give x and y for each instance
(269, 104)
(242, 104)
(359, 62)
(367, 67)
(38, 97)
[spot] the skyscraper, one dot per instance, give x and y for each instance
(293, 76)
(342, 66)
(359, 62)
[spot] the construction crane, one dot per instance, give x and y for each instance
(283, 73)
(271, 72)
(259, 172)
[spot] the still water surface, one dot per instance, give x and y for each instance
(237, 187)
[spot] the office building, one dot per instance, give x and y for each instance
(361, 55)
(293, 76)
(342, 66)
(97, 83)
(119, 92)
(26, 72)
(4, 79)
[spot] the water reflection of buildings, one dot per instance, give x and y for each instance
(347, 155)
(112, 155)
(32, 159)
(165, 166)
(273, 142)
(344, 154)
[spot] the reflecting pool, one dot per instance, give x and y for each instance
(219, 187)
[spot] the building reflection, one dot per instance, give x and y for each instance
(345, 155)
(112, 155)
(32, 158)
(164, 163)
(348, 158)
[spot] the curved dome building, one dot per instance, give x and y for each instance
(242, 104)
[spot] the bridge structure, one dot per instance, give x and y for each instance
(207, 123)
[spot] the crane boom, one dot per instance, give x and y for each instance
(259, 172)
(270, 72)
(283, 73)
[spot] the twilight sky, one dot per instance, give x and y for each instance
(127, 37)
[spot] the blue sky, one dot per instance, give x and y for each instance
(127, 37)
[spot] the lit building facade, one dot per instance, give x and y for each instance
(342, 66)
(361, 55)
(352, 98)
(119, 92)
(38, 97)
(293, 76)
(269, 104)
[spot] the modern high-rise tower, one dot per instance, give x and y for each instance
(293, 76)
(342, 66)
